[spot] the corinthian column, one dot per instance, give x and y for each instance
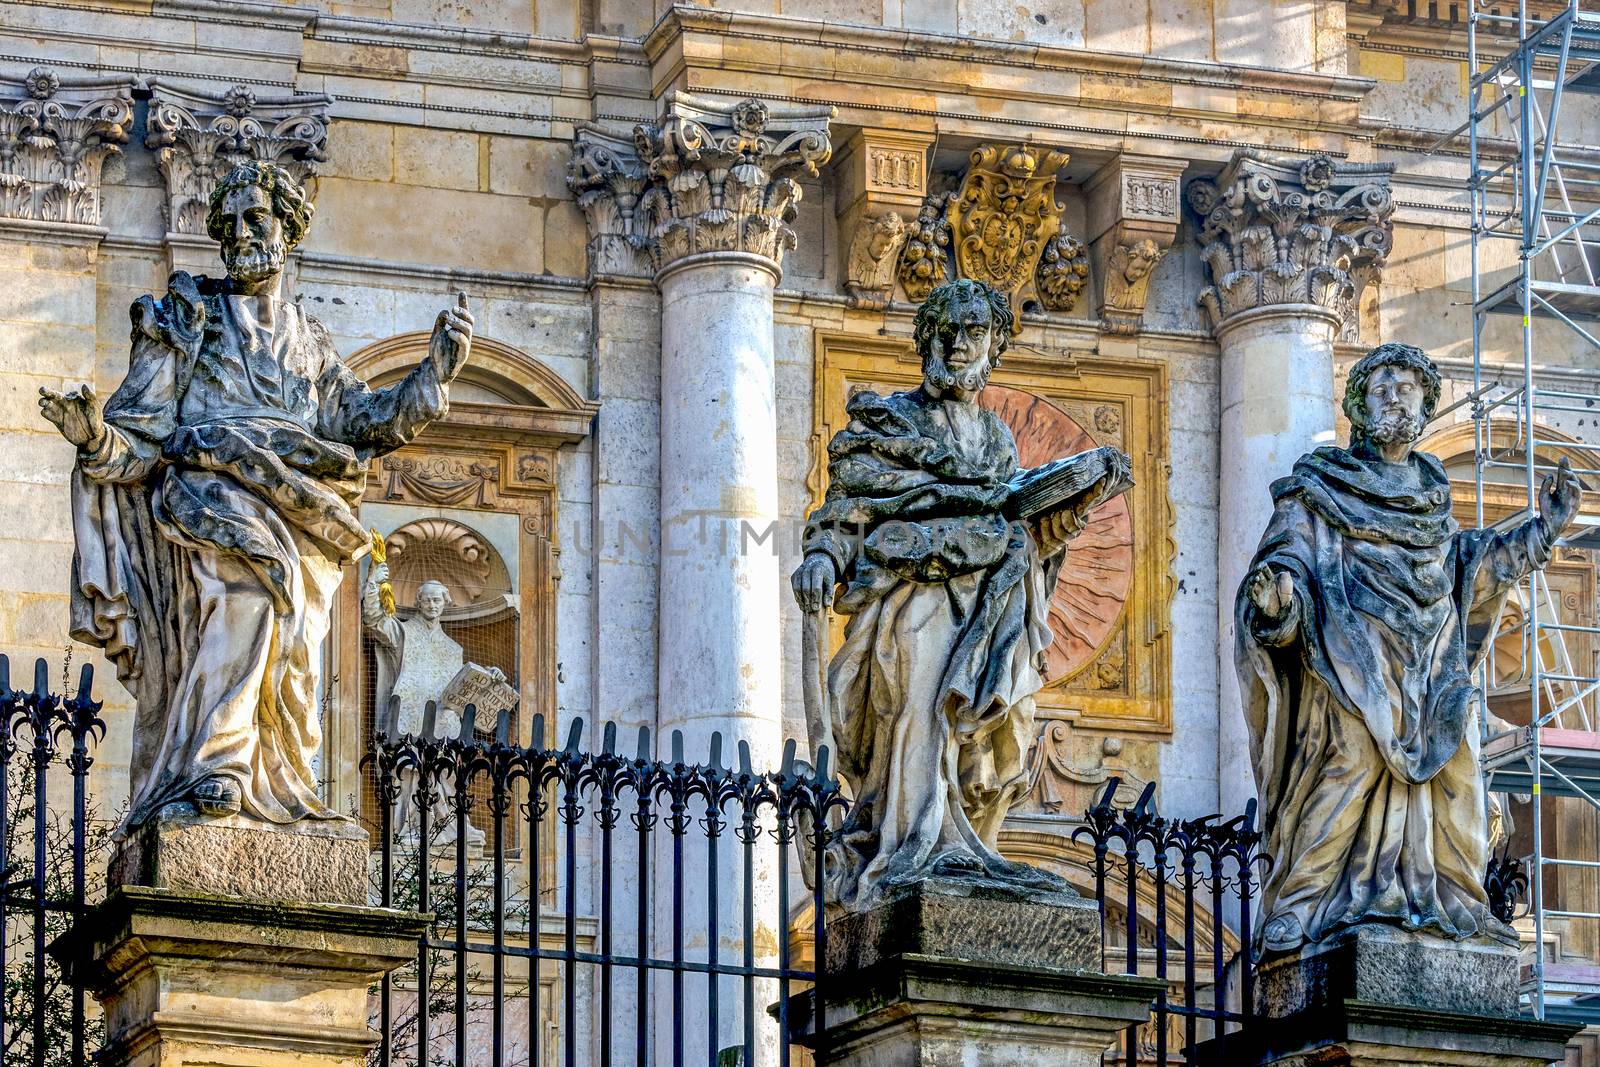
(1289, 244)
(703, 199)
(716, 217)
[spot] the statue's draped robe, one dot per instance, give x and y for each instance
(211, 525)
(931, 694)
(1362, 714)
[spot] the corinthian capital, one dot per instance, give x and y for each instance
(55, 135)
(721, 175)
(200, 136)
(1289, 231)
(608, 178)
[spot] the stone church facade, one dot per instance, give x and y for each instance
(689, 233)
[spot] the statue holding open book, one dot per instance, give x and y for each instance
(948, 555)
(419, 663)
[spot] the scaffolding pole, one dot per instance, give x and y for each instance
(1554, 293)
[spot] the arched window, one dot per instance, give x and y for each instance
(472, 503)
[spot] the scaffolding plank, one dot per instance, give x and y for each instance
(1577, 302)
(1576, 753)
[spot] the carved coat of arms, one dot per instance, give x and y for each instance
(1004, 214)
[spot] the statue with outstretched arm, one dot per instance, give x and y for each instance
(1358, 625)
(214, 505)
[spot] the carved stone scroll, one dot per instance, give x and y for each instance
(882, 175)
(199, 136)
(1133, 220)
(869, 267)
(55, 135)
(1292, 231)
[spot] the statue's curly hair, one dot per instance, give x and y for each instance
(289, 201)
(936, 309)
(1392, 354)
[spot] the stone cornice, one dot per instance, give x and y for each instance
(681, 18)
(1286, 231)
(55, 135)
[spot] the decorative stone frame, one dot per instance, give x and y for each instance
(1137, 390)
(512, 450)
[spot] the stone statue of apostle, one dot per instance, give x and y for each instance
(929, 702)
(213, 505)
(1357, 626)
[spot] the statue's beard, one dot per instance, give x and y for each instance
(1395, 427)
(254, 262)
(965, 383)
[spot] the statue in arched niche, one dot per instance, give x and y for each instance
(418, 662)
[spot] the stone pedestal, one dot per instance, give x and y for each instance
(320, 861)
(229, 943)
(1380, 995)
(960, 975)
(188, 980)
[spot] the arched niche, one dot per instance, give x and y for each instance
(489, 467)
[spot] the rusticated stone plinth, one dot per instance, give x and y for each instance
(188, 980)
(1378, 995)
(945, 974)
(320, 861)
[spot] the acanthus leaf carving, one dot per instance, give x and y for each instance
(200, 136)
(608, 178)
(55, 136)
(709, 177)
(1286, 231)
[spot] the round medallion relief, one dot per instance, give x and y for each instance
(1097, 575)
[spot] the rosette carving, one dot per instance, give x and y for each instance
(199, 137)
(1285, 231)
(55, 136)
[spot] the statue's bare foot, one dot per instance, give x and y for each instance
(1283, 934)
(217, 795)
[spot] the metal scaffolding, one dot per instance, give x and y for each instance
(1539, 193)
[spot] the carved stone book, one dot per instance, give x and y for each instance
(1106, 471)
(475, 685)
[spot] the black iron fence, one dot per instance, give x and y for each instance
(598, 907)
(645, 918)
(1179, 880)
(45, 858)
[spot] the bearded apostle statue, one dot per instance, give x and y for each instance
(1358, 625)
(948, 556)
(213, 505)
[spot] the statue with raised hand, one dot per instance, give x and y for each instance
(1358, 625)
(213, 506)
